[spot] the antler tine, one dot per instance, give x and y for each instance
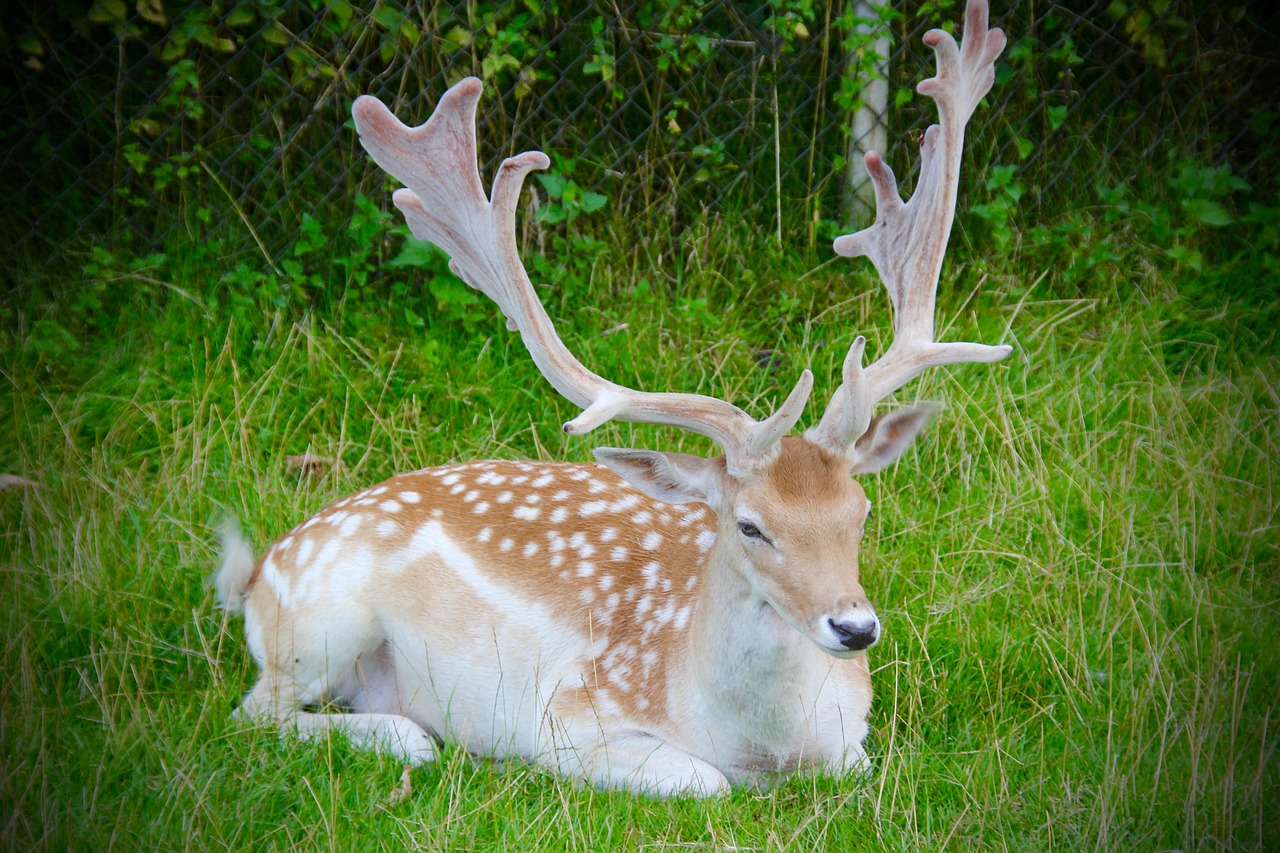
(908, 240)
(443, 201)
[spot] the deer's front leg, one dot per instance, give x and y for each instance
(613, 752)
(643, 763)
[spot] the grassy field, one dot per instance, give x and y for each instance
(1078, 566)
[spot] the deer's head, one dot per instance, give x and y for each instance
(791, 514)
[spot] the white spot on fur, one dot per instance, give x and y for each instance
(305, 548)
(608, 534)
(505, 498)
(530, 548)
(481, 507)
(625, 503)
(592, 508)
(386, 527)
(484, 534)
(559, 514)
(389, 506)
(410, 497)
(328, 554)
(586, 569)
(652, 540)
(650, 574)
(506, 544)
(618, 554)
(642, 518)
(691, 516)
(526, 513)
(705, 540)
(450, 479)
(544, 480)
(350, 525)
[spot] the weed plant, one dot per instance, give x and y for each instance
(1078, 565)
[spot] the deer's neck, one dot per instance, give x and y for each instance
(752, 678)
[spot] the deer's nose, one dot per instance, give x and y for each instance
(856, 635)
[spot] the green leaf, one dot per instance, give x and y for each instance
(417, 253)
(552, 214)
(461, 36)
(108, 12)
(496, 62)
(387, 17)
(30, 45)
(241, 16)
(591, 202)
(553, 184)
(1208, 211)
(275, 34)
(342, 12)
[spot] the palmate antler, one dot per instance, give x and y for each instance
(444, 203)
(908, 240)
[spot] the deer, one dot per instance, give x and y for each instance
(657, 622)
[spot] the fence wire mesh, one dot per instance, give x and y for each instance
(133, 124)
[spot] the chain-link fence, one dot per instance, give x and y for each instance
(133, 124)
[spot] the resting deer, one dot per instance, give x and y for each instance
(659, 622)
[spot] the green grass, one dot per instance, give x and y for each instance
(1078, 566)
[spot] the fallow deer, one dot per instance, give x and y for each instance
(659, 622)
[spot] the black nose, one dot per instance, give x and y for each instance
(854, 637)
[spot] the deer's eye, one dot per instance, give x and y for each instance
(750, 531)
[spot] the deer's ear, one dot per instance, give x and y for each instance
(674, 478)
(887, 437)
